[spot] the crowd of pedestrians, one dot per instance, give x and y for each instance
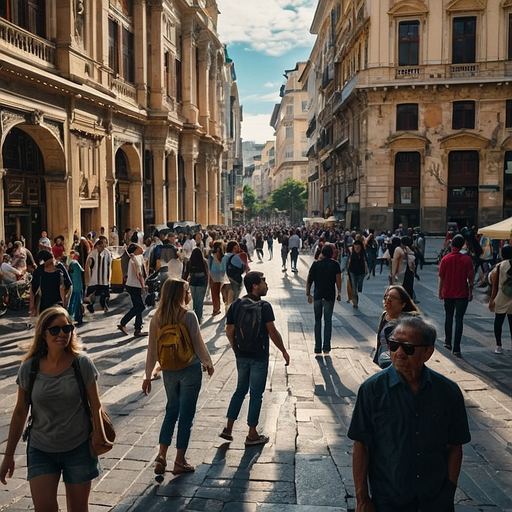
(223, 261)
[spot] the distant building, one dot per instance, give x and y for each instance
(289, 120)
(410, 116)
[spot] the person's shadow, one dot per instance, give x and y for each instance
(333, 386)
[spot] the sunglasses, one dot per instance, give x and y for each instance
(408, 348)
(66, 329)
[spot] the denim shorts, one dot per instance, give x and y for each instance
(76, 465)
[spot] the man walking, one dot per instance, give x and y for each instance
(325, 275)
(293, 246)
(97, 275)
(408, 427)
(251, 347)
(456, 276)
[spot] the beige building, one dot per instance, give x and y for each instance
(289, 120)
(112, 113)
(268, 160)
(415, 121)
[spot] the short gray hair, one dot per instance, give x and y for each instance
(425, 329)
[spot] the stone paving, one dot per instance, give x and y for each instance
(306, 466)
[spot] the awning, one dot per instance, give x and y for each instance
(501, 230)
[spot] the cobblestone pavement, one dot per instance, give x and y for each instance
(306, 467)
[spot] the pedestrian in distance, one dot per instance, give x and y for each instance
(357, 268)
(408, 426)
(324, 277)
(217, 275)
(75, 306)
(196, 273)
(97, 275)
(294, 246)
(249, 325)
(58, 441)
(456, 276)
(270, 245)
(182, 386)
(284, 249)
(135, 285)
(500, 302)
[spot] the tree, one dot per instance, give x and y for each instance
(249, 200)
(291, 197)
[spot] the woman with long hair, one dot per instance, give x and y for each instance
(196, 272)
(181, 386)
(58, 442)
(217, 275)
(397, 302)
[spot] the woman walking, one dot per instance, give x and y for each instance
(59, 436)
(181, 386)
(217, 275)
(357, 268)
(196, 273)
(501, 295)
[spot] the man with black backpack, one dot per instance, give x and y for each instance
(249, 325)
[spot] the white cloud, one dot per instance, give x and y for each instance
(271, 97)
(271, 85)
(257, 128)
(273, 27)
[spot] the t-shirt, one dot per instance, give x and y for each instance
(267, 315)
(457, 270)
(60, 422)
(323, 275)
(50, 283)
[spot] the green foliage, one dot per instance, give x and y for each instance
(249, 200)
(291, 196)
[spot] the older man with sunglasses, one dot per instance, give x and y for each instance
(408, 427)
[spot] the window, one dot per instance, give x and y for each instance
(408, 43)
(128, 57)
(113, 47)
(289, 132)
(304, 106)
(464, 40)
(510, 36)
(289, 110)
(27, 14)
(463, 115)
(508, 114)
(288, 153)
(407, 178)
(407, 116)
(121, 58)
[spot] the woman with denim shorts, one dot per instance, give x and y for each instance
(58, 442)
(181, 386)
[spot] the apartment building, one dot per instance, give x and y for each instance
(411, 112)
(113, 112)
(289, 120)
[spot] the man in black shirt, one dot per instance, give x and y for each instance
(325, 274)
(252, 366)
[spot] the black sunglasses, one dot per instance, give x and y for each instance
(408, 348)
(55, 329)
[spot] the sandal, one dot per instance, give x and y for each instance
(122, 328)
(160, 465)
(226, 435)
(182, 468)
(261, 439)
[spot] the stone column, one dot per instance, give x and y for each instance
(159, 176)
(140, 26)
(136, 216)
(156, 73)
(213, 189)
(204, 84)
(202, 188)
(58, 192)
(172, 186)
(189, 75)
(3, 172)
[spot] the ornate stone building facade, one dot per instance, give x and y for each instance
(112, 113)
(415, 120)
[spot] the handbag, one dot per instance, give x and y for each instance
(107, 431)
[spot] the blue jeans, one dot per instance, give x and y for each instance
(198, 293)
(252, 375)
(356, 281)
(327, 307)
(136, 309)
(451, 307)
(182, 389)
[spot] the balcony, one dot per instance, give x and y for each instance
(409, 72)
(123, 90)
(464, 70)
(26, 45)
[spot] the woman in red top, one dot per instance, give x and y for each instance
(58, 249)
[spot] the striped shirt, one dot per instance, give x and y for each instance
(99, 267)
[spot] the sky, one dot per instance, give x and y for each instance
(264, 38)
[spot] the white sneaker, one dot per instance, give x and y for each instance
(499, 350)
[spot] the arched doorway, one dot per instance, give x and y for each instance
(122, 192)
(24, 188)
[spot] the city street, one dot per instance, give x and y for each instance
(306, 466)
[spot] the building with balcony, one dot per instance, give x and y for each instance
(289, 120)
(113, 113)
(420, 108)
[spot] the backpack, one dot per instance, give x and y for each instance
(248, 328)
(174, 348)
(233, 271)
(506, 288)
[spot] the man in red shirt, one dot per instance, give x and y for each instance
(456, 275)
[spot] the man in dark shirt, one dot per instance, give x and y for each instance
(325, 274)
(408, 427)
(252, 367)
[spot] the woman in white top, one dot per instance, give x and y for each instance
(501, 295)
(135, 286)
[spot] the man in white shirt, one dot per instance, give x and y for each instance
(293, 246)
(8, 272)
